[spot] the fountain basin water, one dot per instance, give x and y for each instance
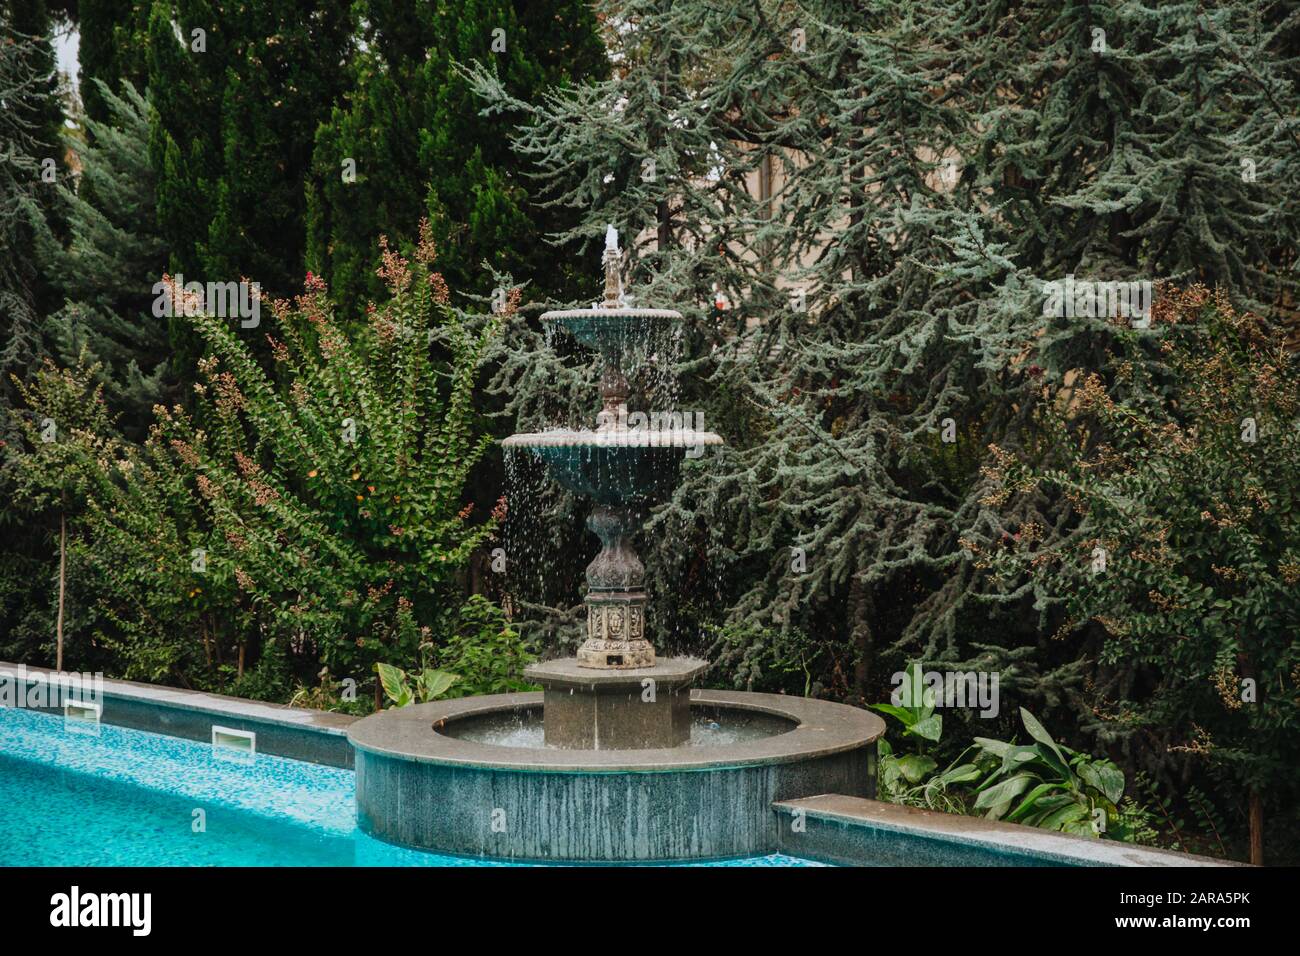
(423, 780)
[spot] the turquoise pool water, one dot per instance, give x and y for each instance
(110, 796)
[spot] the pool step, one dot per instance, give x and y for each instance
(858, 832)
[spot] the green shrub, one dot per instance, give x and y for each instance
(1183, 562)
(1041, 784)
(484, 651)
(314, 516)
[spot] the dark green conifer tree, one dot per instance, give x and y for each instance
(110, 48)
(32, 167)
(878, 193)
(239, 90)
(411, 141)
(113, 259)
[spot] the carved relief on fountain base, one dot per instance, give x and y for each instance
(616, 655)
(616, 631)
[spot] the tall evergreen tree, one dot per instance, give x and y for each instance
(239, 90)
(31, 168)
(19, 183)
(932, 168)
(111, 48)
(114, 257)
(32, 23)
(410, 141)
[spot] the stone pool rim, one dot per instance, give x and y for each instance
(823, 729)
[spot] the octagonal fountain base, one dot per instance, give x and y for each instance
(636, 708)
(475, 777)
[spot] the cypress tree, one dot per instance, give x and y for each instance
(412, 134)
(113, 259)
(111, 48)
(238, 94)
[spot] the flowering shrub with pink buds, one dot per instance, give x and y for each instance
(304, 517)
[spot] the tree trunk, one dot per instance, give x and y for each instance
(1246, 658)
(862, 635)
(1256, 828)
(63, 581)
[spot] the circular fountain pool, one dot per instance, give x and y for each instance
(472, 777)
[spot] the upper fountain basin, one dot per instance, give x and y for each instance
(615, 330)
(612, 465)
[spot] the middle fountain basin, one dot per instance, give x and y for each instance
(613, 466)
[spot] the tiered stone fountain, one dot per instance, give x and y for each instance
(615, 694)
(617, 758)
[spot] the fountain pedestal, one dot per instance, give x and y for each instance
(645, 708)
(616, 596)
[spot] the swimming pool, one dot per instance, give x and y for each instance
(99, 795)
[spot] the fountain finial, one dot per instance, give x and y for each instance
(611, 259)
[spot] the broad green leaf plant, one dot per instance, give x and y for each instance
(404, 689)
(1048, 785)
(915, 711)
(1041, 784)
